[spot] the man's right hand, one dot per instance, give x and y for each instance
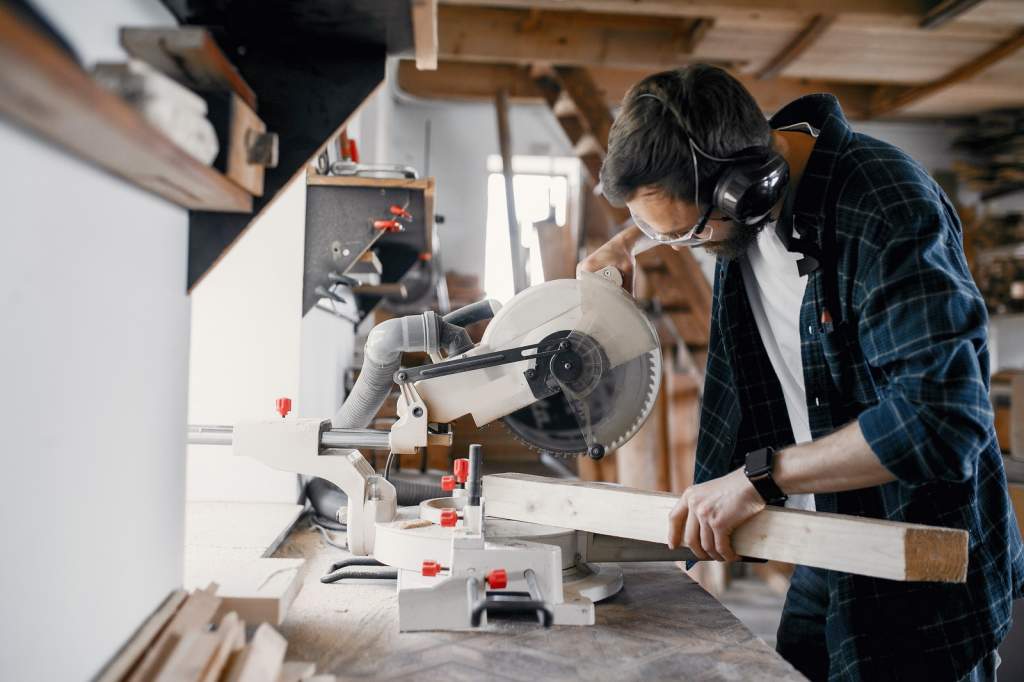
(617, 252)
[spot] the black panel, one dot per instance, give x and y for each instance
(340, 24)
(304, 101)
(339, 227)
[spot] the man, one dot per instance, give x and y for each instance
(845, 321)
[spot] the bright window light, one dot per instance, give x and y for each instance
(540, 196)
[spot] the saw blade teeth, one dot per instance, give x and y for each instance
(652, 360)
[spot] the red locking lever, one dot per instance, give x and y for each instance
(449, 517)
(447, 483)
(461, 470)
(284, 406)
(497, 579)
(430, 568)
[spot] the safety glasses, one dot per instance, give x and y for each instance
(700, 232)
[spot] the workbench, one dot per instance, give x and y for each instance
(662, 625)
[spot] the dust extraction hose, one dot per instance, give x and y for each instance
(382, 357)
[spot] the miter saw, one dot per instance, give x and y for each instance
(572, 366)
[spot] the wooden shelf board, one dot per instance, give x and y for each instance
(1002, 191)
(43, 90)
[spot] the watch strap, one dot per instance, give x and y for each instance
(758, 469)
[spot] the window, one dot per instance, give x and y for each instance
(545, 189)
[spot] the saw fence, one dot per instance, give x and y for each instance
(853, 544)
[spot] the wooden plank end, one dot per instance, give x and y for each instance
(936, 554)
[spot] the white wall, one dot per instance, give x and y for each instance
(93, 367)
(463, 135)
(245, 350)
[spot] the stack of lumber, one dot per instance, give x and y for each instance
(994, 146)
(191, 637)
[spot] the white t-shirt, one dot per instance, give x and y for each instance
(775, 290)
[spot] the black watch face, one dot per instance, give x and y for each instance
(757, 461)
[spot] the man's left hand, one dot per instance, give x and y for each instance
(707, 513)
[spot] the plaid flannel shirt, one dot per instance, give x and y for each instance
(907, 356)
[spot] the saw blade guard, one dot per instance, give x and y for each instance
(611, 354)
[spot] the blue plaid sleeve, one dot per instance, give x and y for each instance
(921, 325)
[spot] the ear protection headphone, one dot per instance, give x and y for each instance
(750, 185)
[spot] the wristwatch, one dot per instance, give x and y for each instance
(758, 469)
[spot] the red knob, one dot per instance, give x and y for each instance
(497, 579)
(461, 470)
(430, 568)
(399, 212)
(284, 406)
(447, 483)
(353, 150)
(388, 225)
(449, 517)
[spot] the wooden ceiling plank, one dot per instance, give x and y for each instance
(698, 31)
(484, 34)
(589, 100)
(810, 34)
(945, 11)
(477, 82)
(424, 32)
(913, 9)
(888, 100)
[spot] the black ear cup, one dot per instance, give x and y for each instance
(747, 190)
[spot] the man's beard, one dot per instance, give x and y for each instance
(736, 245)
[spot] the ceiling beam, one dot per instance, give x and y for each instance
(478, 82)
(809, 35)
(910, 9)
(424, 33)
(887, 100)
(945, 11)
(483, 34)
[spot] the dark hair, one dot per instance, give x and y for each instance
(648, 143)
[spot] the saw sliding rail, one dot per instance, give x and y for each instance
(332, 438)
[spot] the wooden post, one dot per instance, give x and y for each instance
(505, 144)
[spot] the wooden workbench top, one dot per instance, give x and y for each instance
(661, 626)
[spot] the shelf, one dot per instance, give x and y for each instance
(1002, 191)
(45, 91)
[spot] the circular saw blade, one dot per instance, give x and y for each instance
(617, 406)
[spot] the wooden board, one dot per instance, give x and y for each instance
(196, 612)
(259, 590)
(424, 30)
(242, 124)
(296, 671)
(141, 640)
(872, 547)
(191, 657)
(261, 660)
(42, 90)
(190, 56)
(230, 639)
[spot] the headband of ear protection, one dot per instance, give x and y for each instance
(751, 183)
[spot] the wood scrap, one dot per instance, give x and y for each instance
(871, 547)
(196, 612)
(296, 671)
(179, 643)
(258, 590)
(230, 639)
(262, 659)
(136, 647)
(190, 658)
